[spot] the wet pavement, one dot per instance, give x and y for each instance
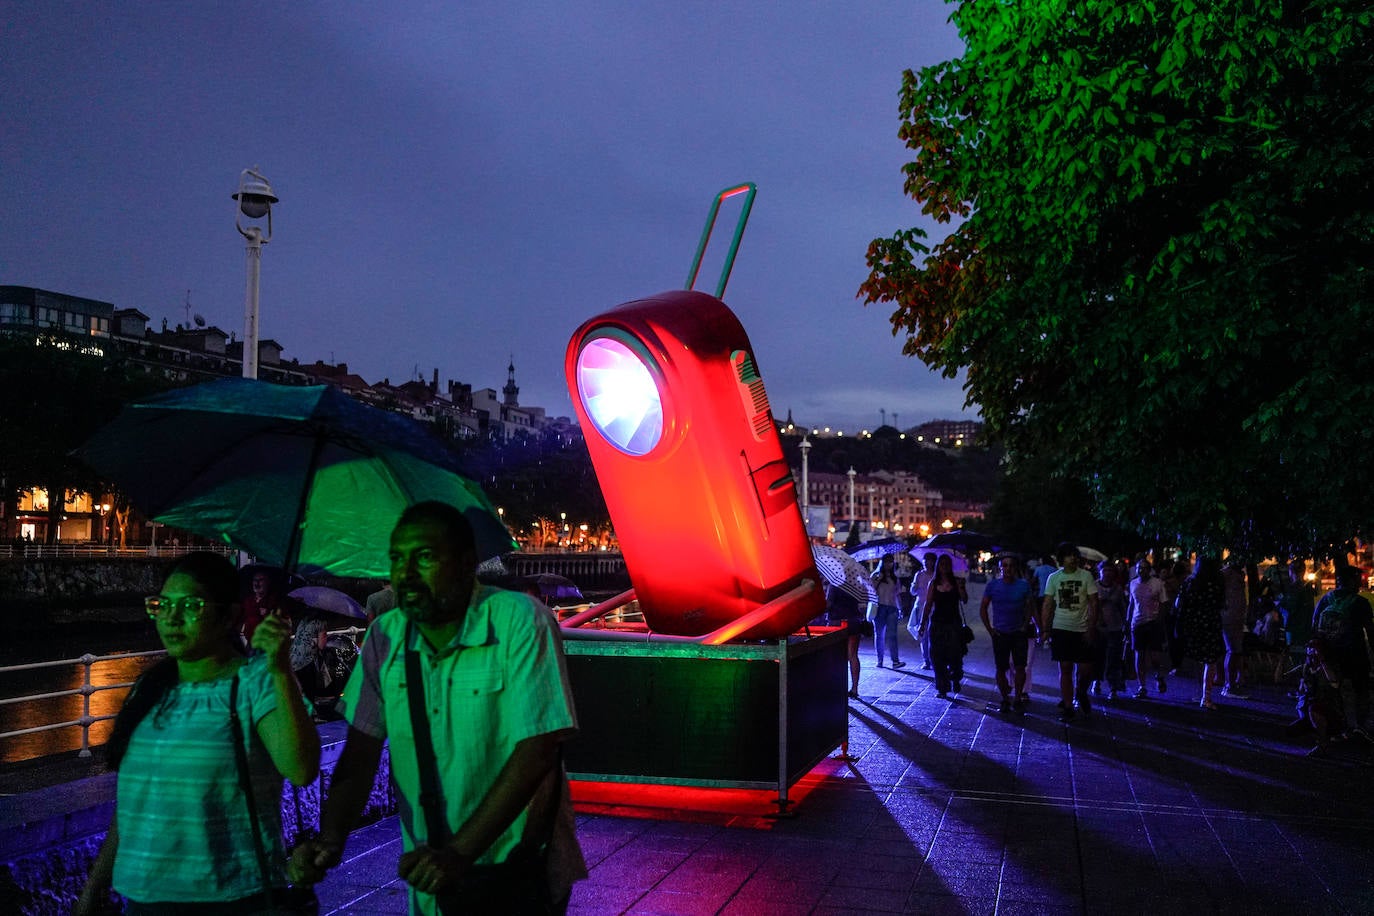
(1151, 806)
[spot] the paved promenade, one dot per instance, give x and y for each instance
(1147, 806)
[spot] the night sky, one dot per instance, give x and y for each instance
(461, 183)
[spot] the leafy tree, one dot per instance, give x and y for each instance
(1158, 275)
(56, 397)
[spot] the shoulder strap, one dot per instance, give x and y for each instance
(539, 823)
(431, 795)
(246, 784)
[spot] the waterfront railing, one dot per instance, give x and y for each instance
(85, 691)
(77, 549)
(88, 689)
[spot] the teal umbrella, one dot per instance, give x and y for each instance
(301, 476)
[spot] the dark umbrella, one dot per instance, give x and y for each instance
(557, 588)
(876, 549)
(962, 540)
(302, 476)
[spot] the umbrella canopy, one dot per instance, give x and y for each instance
(962, 540)
(557, 588)
(303, 476)
(1092, 556)
(878, 548)
(959, 563)
(843, 571)
(331, 600)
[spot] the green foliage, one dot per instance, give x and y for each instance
(55, 398)
(1157, 276)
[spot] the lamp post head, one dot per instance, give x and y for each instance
(254, 195)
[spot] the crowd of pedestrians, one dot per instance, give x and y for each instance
(1125, 630)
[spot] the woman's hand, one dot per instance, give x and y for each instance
(273, 638)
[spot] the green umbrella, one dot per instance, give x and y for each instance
(305, 477)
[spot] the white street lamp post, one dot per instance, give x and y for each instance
(850, 474)
(805, 447)
(255, 200)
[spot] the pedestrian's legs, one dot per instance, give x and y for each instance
(925, 650)
(1208, 668)
(890, 634)
(879, 633)
(854, 665)
(1115, 672)
(941, 666)
(1066, 685)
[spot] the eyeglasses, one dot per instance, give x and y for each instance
(190, 608)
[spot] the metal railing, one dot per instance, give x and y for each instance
(90, 549)
(85, 691)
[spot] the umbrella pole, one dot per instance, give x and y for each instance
(293, 546)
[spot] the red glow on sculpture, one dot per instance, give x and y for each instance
(682, 438)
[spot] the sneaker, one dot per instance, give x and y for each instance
(1006, 705)
(1206, 704)
(942, 695)
(956, 687)
(1065, 713)
(880, 663)
(1140, 692)
(1235, 693)
(925, 666)
(1097, 688)
(898, 665)
(1022, 702)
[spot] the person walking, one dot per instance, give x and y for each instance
(1111, 625)
(469, 687)
(920, 588)
(1344, 621)
(1201, 602)
(184, 839)
(1008, 609)
(1236, 609)
(885, 615)
(1069, 615)
(1146, 623)
(944, 625)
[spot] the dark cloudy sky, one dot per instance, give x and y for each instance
(463, 181)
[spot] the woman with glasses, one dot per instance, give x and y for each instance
(182, 835)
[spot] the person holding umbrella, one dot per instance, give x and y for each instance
(470, 685)
(184, 837)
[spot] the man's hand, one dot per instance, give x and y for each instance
(430, 870)
(311, 859)
(273, 638)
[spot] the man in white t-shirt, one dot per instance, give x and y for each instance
(1069, 615)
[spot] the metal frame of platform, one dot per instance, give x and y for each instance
(755, 715)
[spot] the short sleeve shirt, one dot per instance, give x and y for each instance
(501, 680)
(184, 832)
(1007, 604)
(1070, 591)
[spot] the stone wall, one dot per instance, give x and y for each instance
(38, 593)
(50, 837)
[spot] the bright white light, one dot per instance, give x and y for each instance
(620, 395)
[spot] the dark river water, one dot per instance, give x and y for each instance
(71, 643)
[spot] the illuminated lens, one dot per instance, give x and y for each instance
(620, 395)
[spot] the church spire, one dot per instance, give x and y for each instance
(511, 391)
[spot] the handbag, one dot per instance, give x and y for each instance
(965, 631)
(520, 884)
(296, 899)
